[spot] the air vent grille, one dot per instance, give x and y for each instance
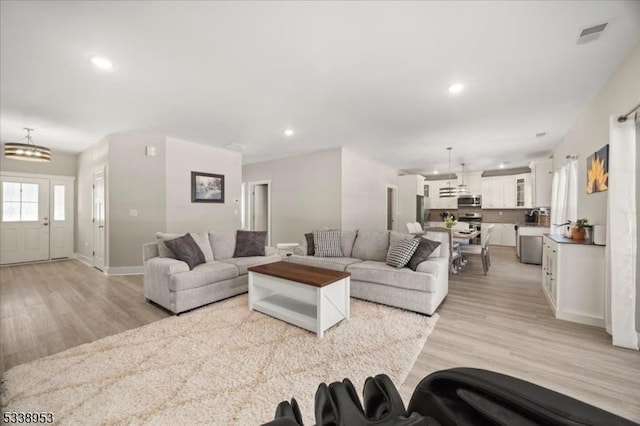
(591, 33)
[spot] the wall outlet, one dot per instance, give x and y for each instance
(500, 213)
(134, 212)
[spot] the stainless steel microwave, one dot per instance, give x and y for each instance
(469, 201)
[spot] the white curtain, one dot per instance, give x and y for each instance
(564, 195)
(622, 244)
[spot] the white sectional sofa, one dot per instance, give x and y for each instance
(364, 256)
(169, 282)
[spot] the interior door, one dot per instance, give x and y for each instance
(99, 230)
(260, 207)
(24, 225)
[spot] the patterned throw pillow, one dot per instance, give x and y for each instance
(311, 246)
(250, 243)
(401, 253)
(424, 250)
(186, 249)
(327, 243)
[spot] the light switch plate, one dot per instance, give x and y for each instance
(133, 212)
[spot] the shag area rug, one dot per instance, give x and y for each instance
(221, 364)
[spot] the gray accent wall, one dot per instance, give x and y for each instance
(364, 192)
(61, 164)
(149, 194)
(591, 131)
(181, 214)
(136, 186)
(305, 193)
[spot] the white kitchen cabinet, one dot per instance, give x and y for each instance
(502, 234)
(508, 234)
(506, 192)
(573, 279)
(473, 180)
(435, 202)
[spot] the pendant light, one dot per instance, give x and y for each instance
(449, 191)
(27, 151)
(462, 188)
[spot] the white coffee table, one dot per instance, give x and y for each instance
(311, 298)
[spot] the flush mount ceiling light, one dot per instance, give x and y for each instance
(288, 132)
(435, 172)
(27, 151)
(101, 63)
(448, 191)
(501, 165)
(456, 88)
(462, 188)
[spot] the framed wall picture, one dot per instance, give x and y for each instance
(207, 188)
(598, 170)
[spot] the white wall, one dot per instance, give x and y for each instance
(364, 192)
(591, 131)
(305, 193)
(90, 160)
(61, 164)
(181, 214)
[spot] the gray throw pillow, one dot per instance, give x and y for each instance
(327, 243)
(250, 243)
(311, 247)
(186, 249)
(401, 253)
(425, 248)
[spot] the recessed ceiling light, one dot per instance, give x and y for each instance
(456, 88)
(541, 134)
(501, 165)
(288, 132)
(435, 172)
(102, 63)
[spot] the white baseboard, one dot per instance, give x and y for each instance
(84, 259)
(581, 318)
(123, 270)
(111, 270)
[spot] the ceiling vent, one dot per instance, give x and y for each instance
(590, 34)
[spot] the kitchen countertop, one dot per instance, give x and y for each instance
(531, 225)
(564, 240)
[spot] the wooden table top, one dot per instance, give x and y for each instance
(305, 274)
(461, 236)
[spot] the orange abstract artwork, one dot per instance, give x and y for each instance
(598, 171)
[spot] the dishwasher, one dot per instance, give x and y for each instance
(531, 249)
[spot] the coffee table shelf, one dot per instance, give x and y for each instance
(290, 310)
(311, 298)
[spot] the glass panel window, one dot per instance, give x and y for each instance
(29, 212)
(11, 191)
(20, 202)
(10, 211)
(58, 202)
(30, 192)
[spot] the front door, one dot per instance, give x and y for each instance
(24, 224)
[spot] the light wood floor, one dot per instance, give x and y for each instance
(500, 322)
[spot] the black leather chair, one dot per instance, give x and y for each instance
(454, 397)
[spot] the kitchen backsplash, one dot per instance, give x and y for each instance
(515, 216)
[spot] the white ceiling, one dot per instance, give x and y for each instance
(371, 77)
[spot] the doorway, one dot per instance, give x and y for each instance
(37, 218)
(392, 207)
(259, 207)
(99, 222)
